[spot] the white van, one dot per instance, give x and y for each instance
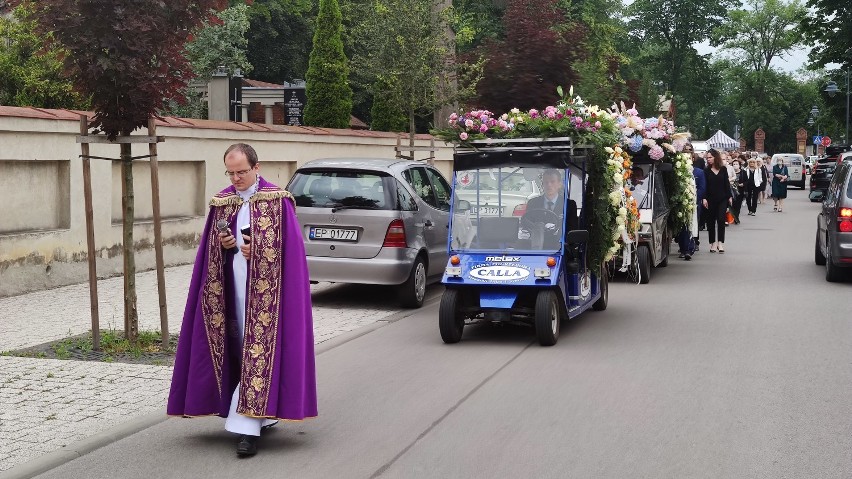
(795, 166)
(700, 147)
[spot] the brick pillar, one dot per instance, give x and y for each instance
(256, 113)
(278, 114)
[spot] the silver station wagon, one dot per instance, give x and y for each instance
(376, 221)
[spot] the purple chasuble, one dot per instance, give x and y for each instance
(275, 364)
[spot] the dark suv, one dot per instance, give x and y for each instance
(834, 225)
(823, 171)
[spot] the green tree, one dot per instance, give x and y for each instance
(672, 28)
(280, 38)
(765, 30)
(384, 115)
(31, 75)
(221, 43)
(403, 45)
(827, 27)
(327, 82)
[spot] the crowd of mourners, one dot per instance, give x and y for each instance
(724, 181)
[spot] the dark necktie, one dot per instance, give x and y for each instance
(550, 205)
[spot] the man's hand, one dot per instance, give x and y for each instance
(704, 202)
(227, 240)
(246, 248)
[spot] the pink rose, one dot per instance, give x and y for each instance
(468, 123)
(533, 113)
(483, 128)
(597, 124)
(463, 136)
(454, 117)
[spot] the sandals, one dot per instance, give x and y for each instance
(721, 249)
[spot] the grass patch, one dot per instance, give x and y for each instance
(115, 347)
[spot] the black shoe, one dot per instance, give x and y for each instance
(247, 446)
(687, 257)
(268, 426)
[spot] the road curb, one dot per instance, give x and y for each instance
(82, 447)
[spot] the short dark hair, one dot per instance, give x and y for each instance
(245, 149)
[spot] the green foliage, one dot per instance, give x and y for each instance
(384, 115)
(404, 44)
(128, 55)
(767, 29)
(474, 22)
(327, 89)
(280, 38)
(221, 43)
(30, 75)
(827, 27)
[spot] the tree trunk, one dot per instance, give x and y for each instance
(131, 315)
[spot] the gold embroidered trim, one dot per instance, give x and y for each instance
(229, 200)
(267, 195)
(263, 304)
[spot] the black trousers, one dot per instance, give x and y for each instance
(716, 220)
(751, 199)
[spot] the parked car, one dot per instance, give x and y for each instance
(376, 221)
(795, 166)
(810, 162)
(496, 192)
(824, 169)
(833, 247)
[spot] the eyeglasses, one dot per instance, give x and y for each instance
(239, 174)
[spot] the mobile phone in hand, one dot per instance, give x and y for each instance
(246, 230)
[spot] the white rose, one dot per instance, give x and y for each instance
(619, 220)
(622, 212)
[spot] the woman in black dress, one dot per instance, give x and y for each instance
(717, 198)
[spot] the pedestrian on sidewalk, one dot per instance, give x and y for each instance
(717, 200)
(738, 185)
(779, 184)
(246, 348)
(762, 166)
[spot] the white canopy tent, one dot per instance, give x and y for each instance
(721, 141)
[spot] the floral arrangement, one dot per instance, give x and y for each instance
(682, 193)
(613, 218)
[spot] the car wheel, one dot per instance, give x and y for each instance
(644, 258)
(833, 274)
(602, 302)
(450, 320)
(547, 318)
(413, 291)
(819, 258)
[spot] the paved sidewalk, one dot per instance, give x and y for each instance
(46, 404)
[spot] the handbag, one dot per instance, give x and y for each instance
(729, 217)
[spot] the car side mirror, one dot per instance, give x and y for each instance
(462, 206)
(577, 236)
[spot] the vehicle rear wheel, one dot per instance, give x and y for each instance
(450, 320)
(644, 258)
(547, 318)
(833, 274)
(602, 302)
(819, 258)
(413, 291)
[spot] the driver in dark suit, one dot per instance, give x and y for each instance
(552, 200)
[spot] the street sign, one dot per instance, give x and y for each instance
(826, 141)
(817, 140)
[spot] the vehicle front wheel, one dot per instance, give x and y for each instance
(602, 302)
(413, 291)
(547, 317)
(819, 258)
(450, 319)
(644, 257)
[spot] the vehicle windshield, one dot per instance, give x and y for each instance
(640, 184)
(512, 207)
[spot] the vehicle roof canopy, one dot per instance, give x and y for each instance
(554, 153)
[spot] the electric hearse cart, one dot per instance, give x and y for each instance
(526, 264)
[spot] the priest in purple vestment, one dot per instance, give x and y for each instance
(246, 348)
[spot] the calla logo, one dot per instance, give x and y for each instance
(499, 273)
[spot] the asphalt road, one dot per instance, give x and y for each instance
(736, 365)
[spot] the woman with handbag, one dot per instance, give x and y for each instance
(779, 184)
(738, 185)
(717, 199)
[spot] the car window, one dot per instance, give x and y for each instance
(404, 200)
(441, 189)
(419, 181)
(326, 188)
(849, 183)
(661, 202)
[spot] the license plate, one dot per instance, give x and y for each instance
(338, 234)
(488, 210)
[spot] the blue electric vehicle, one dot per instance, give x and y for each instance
(526, 263)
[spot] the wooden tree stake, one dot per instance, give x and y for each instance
(158, 235)
(90, 237)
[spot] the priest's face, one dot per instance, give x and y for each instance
(240, 171)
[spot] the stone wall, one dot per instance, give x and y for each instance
(42, 219)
